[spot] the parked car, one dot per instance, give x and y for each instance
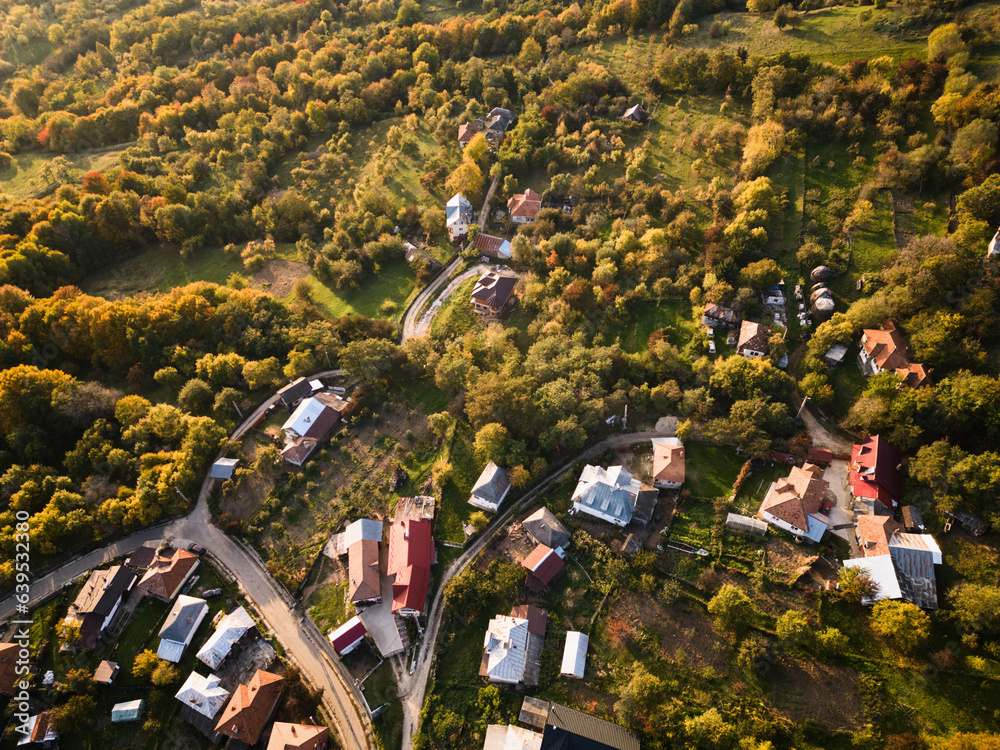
(711, 346)
(196, 548)
(212, 593)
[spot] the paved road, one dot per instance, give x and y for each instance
(413, 688)
(412, 313)
(303, 643)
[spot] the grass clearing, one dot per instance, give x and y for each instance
(848, 384)
(380, 689)
(394, 282)
(455, 508)
(653, 316)
(33, 172)
(455, 317)
(328, 605)
(711, 470)
(160, 269)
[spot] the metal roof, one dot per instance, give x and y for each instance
(574, 658)
(229, 630)
(565, 723)
(491, 487)
(203, 695)
(128, 711)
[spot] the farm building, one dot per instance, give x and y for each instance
(574, 660)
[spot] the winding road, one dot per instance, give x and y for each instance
(302, 641)
(413, 311)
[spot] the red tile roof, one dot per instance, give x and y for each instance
(250, 707)
(874, 533)
(543, 563)
(347, 634)
(166, 574)
(41, 727)
(819, 455)
(753, 336)
(526, 204)
(8, 663)
(538, 618)
(668, 463)
(297, 737)
(875, 471)
(794, 498)
(411, 552)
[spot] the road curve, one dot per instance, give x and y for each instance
(304, 646)
(413, 688)
(413, 311)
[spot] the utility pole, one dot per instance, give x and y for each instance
(327, 359)
(803, 406)
(625, 419)
(237, 410)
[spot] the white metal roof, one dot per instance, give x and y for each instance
(574, 660)
(510, 737)
(506, 643)
(203, 694)
(304, 416)
(881, 570)
(128, 711)
(230, 629)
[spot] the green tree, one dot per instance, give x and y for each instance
(793, 628)
(196, 397)
(944, 42)
(817, 387)
(640, 695)
(165, 674)
(709, 730)
(905, 625)
(731, 609)
(977, 607)
(145, 664)
(370, 360)
(264, 373)
(76, 717)
(856, 585)
(491, 443)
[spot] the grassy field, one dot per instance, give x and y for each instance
(394, 282)
(654, 316)
(455, 316)
(711, 470)
(380, 689)
(32, 171)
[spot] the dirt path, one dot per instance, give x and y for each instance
(413, 688)
(823, 438)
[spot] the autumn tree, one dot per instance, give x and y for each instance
(905, 625)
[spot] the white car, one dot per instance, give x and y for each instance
(711, 346)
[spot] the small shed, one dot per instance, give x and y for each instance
(534, 712)
(128, 711)
(835, 355)
(746, 523)
(636, 113)
(913, 521)
(819, 456)
(224, 468)
(348, 636)
(106, 672)
(574, 660)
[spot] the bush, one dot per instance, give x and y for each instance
(731, 609)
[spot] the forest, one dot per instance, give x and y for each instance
(240, 135)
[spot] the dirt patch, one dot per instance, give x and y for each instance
(279, 276)
(512, 544)
(686, 636)
(803, 689)
(361, 661)
(790, 561)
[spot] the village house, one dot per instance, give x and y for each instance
(567, 728)
(128, 711)
(166, 576)
(905, 571)
(543, 564)
(309, 424)
(98, 601)
(498, 121)
(106, 672)
(294, 392)
(752, 342)
(635, 113)
(489, 246)
(873, 534)
(513, 647)
(544, 528)
(491, 488)
(613, 495)
(230, 631)
(469, 130)
(524, 207)
(202, 698)
(285, 736)
(794, 504)
(250, 708)
(668, 463)
(180, 626)
(40, 732)
(884, 350)
(360, 542)
(716, 316)
(224, 468)
(493, 295)
(411, 554)
(458, 216)
(876, 474)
